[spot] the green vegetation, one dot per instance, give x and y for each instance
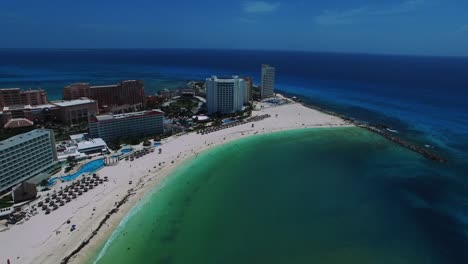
(71, 163)
(44, 183)
(217, 118)
(61, 131)
(6, 201)
(8, 133)
(181, 107)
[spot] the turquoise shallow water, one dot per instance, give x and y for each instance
(305, 196)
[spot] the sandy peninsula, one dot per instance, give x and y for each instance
(49, 239)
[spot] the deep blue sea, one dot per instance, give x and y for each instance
(424, 98)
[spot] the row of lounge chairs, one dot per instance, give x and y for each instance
(233, 124)
(68, 193)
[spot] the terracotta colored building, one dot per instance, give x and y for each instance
(76, 111)
(17, 116)
(67, 112)
(16, 96)
(129, 92)
(76, 91)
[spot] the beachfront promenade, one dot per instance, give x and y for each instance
(49, 239)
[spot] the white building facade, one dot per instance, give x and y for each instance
(27, 156)
(224, 94)
(268, 81)
(137, 124)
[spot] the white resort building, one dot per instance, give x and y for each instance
(224, 94)
(29, 156)
(137, 124)
(268, 81)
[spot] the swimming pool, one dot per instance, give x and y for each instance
(123, 152)
(127, 150)
(227, 121)
(157, 144)
(89, 167)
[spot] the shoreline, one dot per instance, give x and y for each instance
(140, 193)
(54, 243)
(380, 130)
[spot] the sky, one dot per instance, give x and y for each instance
(418, 27)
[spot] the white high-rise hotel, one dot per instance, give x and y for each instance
(28, 156)
(224, 94)
(268, 81)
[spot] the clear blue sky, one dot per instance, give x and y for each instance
(432, 27)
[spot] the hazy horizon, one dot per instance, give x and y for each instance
(256, 50)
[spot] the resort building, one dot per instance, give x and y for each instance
(129, 93)
(30, 156)
(91, 146)
(268, 81)
(16, 116)
(80, 146)
(76, 111)
(67, 112)
(76, 91)
(224, 94)
(16, 96)
(248, 87)
(137, 124)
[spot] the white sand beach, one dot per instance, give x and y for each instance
(48, 239)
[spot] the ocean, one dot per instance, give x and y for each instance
(303, 196)
(383, 204)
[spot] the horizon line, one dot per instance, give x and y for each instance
(257, 50)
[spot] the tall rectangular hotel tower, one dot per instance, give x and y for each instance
(27, 156)
(224, 94)
(136, 124)
(268, 81)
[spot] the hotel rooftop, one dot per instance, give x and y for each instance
(23, 138)
(128, 115)
(73, 102)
